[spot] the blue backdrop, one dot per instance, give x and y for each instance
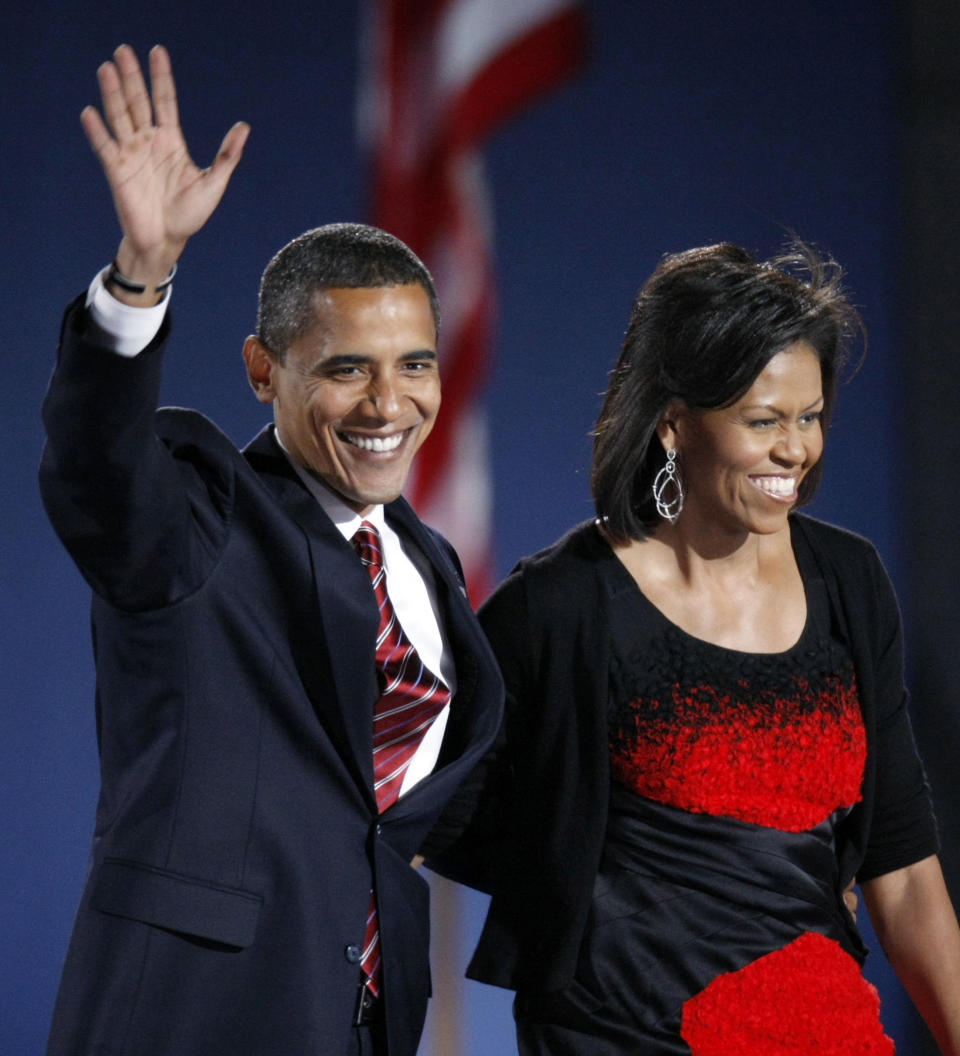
(692, 122)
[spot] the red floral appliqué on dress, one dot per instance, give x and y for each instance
(771, 740)
(786, 759)
(808, 997)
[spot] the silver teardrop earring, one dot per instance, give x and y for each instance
(668, 508)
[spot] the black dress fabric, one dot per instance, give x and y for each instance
(717, 924)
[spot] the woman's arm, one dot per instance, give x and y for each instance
(915, 922)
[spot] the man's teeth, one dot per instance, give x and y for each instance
(374, 443)
(780, 486)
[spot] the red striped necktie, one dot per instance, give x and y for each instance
(410, 699)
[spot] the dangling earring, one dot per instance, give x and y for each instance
(669, 509)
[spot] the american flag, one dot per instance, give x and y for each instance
(439, 75)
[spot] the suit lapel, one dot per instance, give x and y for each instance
(338, 677)
(469, 727)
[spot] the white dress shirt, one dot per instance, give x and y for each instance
(410, 583)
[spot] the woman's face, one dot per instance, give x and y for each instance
(741, 465)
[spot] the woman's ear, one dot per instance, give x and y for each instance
(667, 429)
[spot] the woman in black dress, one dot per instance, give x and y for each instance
(706, 736)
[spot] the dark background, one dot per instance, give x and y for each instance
(692, 122)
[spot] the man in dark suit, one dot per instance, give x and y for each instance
(251, 890)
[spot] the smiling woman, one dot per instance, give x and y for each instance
(703, 329)
(743, 464)
(707, 736)
(733, 366)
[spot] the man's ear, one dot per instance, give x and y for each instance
(261, 364)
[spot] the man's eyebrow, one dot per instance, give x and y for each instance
(423, 353)
(342, 359)
(359, 359)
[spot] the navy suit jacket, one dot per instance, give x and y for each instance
(237, 835)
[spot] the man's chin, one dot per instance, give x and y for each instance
(362, 500)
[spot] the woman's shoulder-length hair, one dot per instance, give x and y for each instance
(702, 328)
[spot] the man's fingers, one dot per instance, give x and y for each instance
(134, 87)
(97, 135)
(228, 156)
(163, 87)
(850, 899)
(114, 101)
(231, 149)
(160, 195)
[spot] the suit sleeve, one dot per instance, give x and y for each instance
(476, 829)
(142, 521)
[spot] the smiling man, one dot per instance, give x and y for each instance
(357, 392)
(290, 682)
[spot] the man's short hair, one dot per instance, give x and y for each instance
(344, 255)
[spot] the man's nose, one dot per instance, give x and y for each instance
(383, 394)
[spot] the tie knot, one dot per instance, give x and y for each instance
(366, 542)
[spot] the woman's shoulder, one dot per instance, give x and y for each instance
(850, 559)
(556, 575)
(579, 543)
(574, 557)
(833, 541)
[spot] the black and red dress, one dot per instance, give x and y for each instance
(717, 925)
(666, 827)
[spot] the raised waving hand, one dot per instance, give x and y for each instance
(161, 196)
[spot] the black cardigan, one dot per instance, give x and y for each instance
(535, 812)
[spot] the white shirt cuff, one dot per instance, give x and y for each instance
(120, 327)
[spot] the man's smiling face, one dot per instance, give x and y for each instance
(358, 393)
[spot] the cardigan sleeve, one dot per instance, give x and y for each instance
(893, 826)
(902, 826)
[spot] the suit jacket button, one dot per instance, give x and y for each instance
(353, 953)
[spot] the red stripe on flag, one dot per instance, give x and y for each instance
(530, 66)
(462, 374)
(424, 193)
